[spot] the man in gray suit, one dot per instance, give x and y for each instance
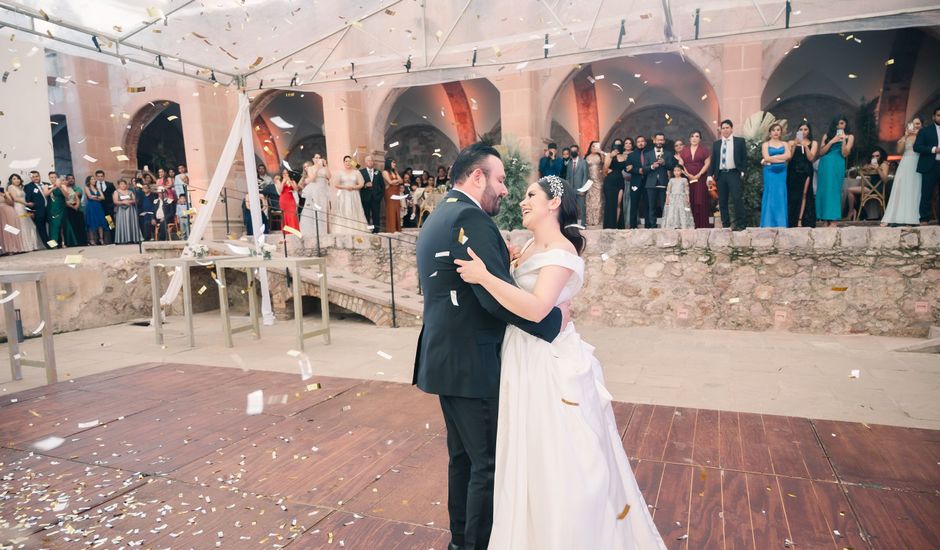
(577, 176)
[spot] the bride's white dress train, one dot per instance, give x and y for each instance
(563, 480)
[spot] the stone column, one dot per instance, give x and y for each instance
(345, 125)
(741, 81)
(521, 113)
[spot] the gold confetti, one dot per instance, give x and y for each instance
(123, 158)
(292, 231)
(462, 237)
(572, 403)
(452, 199)
(52, 243)
(136, 89)
(256, 62)
(73, 259)
(889, 62)
(839, 288)
(201, 290)
(34, 413)
(314, 386)
(171, 118)
(626, 510)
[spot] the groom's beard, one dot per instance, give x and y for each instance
(490, 202)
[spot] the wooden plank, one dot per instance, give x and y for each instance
(839, 517)
(305, 462)
(705, 512)
(768, 516)
(737, 515)
(168, 382)
(894, 519)
(39, 491)
(414, 491)
(707, 448)
(648, 476)
(22, 424)
(162, 439)
(784, 447)
(345, 530)
(729, 434)
(656, 433)
(386, 405)
(622, 414)
(633, 437)
(754, 448)
(887, 456)
(808, 525)
(681, 441)
(68, 383)
(814, 457)
(672, 507)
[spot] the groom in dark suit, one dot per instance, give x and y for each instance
(729, 162)
(928, 164)
(458, 355)
(371, 193)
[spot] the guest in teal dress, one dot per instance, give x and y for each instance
(776, 153)
(836, 145)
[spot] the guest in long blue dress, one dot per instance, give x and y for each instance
(836, 145)
(776, 153)
(95, 223)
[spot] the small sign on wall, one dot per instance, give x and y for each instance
(921, 307)
(682, 313)
(780, 316)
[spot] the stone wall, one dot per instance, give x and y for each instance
(874, 280)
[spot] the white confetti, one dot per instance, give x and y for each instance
(605, 256)
(306, 369)
(255, 403)
(89, 158)
(432, 275)
(240, 250)
(855, 373)
(393, 144)
(398, 197)
(86, 425)
(383, 355)
(453, 297)
(442, 254)
(131, 280)
(12, 295)
(40, 327)
(734, 300)
(12, 230)
(48, 443)
(26, 164)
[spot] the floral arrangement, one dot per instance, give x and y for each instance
(265, 251)
(517, 179)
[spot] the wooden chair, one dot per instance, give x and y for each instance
(275, 220)
(870, 192)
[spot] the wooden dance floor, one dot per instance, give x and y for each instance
(164, 456)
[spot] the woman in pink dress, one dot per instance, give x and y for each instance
(695, 160)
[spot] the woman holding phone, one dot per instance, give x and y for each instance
(801, 200)
(836, 145)
(904, 203)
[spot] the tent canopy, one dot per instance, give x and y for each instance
(311, 44)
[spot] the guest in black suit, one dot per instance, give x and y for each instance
(729, 162)
(635, 166)
(371, 193)
(565, 163)
(458, 355)
(659, 164)
(107, 189)
(36, 201)
(928, 165)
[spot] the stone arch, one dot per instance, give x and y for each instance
(459, 100)
(817, 109)
(275, 143)
(141, 120)
(685, 74)
(651, 119)
(416, 144)
(925, 111)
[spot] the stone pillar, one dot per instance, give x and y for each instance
(741, 82)
(24, 102)
(346, 127)
(521, 113)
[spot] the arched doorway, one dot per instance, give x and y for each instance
(288, 128)
(631, 96)
(426, 126)
(61, 149)
(155, 136)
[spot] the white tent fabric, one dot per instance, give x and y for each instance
(293, 43)
(240, 133)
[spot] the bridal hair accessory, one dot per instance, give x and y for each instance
(557, 185)
(575, 225)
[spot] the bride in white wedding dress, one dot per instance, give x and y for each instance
(563, 480)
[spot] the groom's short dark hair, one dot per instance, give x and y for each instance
(471, 158)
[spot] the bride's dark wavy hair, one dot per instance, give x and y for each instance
(567, 212)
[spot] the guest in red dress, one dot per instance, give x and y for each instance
(288, 202)
(695, 160)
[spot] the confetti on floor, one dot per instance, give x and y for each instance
(383, 355)
(48, 443)
(255, 403)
